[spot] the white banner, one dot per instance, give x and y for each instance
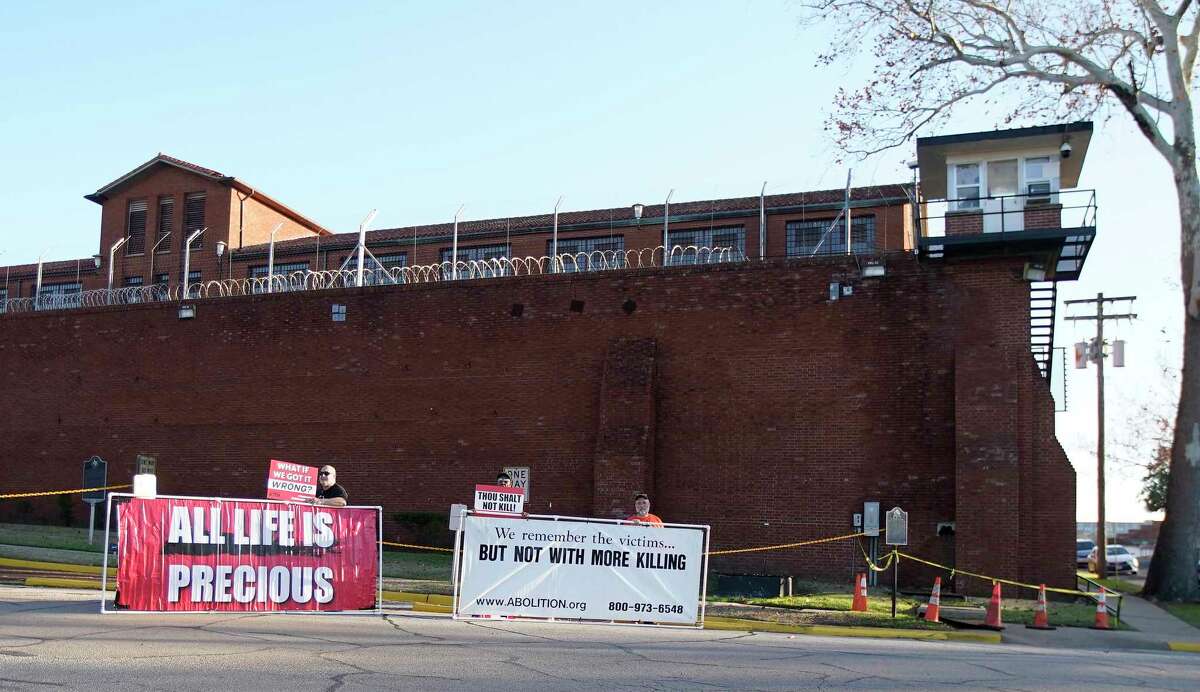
(574, 568)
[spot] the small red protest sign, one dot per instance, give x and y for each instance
(288, 481)
(498, 499)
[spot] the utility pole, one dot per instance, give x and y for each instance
(1097, 355)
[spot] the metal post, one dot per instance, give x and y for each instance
(846, 209)
(37, 289)
(454, 245)
(112, 251)
(762, 222)
(1101, 532)
(271, 258)
(895, 579)
(554, 268)
(362, 245)
(666, 227)
(153, 250)
(187, 263)
(92, 523)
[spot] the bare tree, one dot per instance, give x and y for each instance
(1031, 60)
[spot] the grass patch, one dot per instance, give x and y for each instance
(1081, 613)
(830, 608)
(417, 565)
(57, 537)
(1188, 612)
(1113, 583)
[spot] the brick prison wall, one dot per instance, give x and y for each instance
(739, 396)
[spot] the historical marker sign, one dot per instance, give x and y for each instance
(95, 475)
(896, 531)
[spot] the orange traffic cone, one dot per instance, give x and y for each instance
(860, 594)
(1041, 619)
(935, 601)
(993, 610)
(1101, 612)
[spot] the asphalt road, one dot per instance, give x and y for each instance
(54, 639)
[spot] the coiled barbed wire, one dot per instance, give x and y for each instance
(327, 279)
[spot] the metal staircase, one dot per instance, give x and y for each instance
(1043, 297)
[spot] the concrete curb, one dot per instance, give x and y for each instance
(54, 566)
(737, 624)
(1192, 647)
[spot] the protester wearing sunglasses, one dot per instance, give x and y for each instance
(329, 493)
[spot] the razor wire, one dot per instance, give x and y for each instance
(330, 279)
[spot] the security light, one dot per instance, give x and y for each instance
(1034, 272)
(187, 312)
(637, 211)
(874, 270)
(97, 259)
(913, 164)
(1065, 150)
(220, 248)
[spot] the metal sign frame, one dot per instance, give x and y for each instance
(896, 528)
(702, 596)
(104, 567)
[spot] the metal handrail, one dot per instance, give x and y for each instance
(1088, 214)
(1083, 583)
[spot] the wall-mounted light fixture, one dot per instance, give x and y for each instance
(97, 259)
(220, 248)
(874, 270)
(637, 211)
(1034, 272)
(187, 312)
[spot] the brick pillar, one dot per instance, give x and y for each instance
(987, 464)
(624, 459)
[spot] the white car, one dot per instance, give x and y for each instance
(1119, 560)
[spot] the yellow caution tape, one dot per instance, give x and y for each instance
(418, 547)
(782, 546)
(874, 567)
(1035, 587)
(63, 492)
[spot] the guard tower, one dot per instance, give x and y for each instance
(1011, 193)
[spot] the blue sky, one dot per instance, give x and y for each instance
(416, 108)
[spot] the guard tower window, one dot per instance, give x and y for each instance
(966, 182)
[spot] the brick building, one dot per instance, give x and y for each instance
(767, 388)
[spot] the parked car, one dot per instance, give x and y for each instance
(1119, 560)
(1082, 550)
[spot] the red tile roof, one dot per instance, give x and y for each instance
(818, 200)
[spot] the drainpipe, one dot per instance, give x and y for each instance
(241, 214)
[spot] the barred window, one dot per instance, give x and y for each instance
(135, 228)
(193, 281)
(377, 272)
(282, 269)
(59, 295)
(589, 254)
(825, 237)
(703, 245)
(162, 278)
(132, 281)
(3, 300)
(479, 253)
(193, 218)
(166, 220)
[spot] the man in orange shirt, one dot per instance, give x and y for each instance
(641, 505)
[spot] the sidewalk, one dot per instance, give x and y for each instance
(1156, 629)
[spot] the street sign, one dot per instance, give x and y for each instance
(147, 463)
(870, 518)
(520, 478)
(896, 531)
(95, 475)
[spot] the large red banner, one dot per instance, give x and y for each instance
(226, 555)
